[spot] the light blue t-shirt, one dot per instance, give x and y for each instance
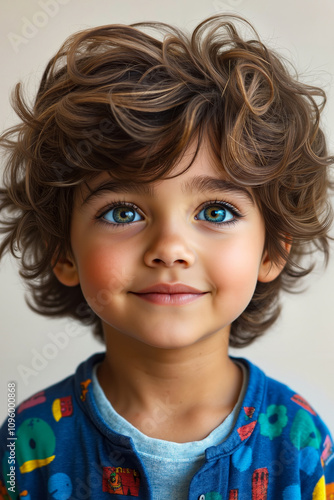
(170, 465)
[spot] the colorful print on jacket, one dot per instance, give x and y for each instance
(279, 449)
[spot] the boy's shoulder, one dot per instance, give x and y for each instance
(285, 420)
(276, 398)
(52, 418)
(283, 437)
(56, 430)
(49, 415)
(57, 401)
(278, 417)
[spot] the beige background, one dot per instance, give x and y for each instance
(35, 351)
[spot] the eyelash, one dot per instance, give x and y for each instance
(231, 208)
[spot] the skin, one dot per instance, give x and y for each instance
(167, 369)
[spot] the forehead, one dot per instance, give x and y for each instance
(189, 175)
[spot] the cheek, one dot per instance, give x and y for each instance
(103, 270)
(236, 267)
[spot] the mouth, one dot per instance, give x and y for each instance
(170, 294)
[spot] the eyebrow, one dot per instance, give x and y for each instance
(118, 187)
(197, 184)
(213, 184)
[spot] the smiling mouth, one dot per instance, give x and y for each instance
(170, 294)
(170, 298)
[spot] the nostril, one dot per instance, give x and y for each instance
(158, 261)
(167, 263)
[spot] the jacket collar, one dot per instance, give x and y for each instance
(245, 425)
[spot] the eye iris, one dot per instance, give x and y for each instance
(216, 214)
(124, 214)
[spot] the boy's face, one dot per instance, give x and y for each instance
(194, 230)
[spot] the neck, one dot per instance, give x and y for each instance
(172, 388)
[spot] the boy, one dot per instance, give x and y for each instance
(164, 192)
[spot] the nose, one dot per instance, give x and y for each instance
(169, 248)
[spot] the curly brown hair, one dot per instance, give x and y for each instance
(116, 98)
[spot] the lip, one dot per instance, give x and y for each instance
(169, 294)
(170, 288)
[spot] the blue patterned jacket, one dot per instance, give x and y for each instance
(279, 449)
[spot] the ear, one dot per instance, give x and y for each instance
(268, 269)
(66, 272)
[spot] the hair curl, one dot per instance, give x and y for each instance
(117, 98)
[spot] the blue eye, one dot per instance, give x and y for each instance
(121, 214)
(217, 213)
